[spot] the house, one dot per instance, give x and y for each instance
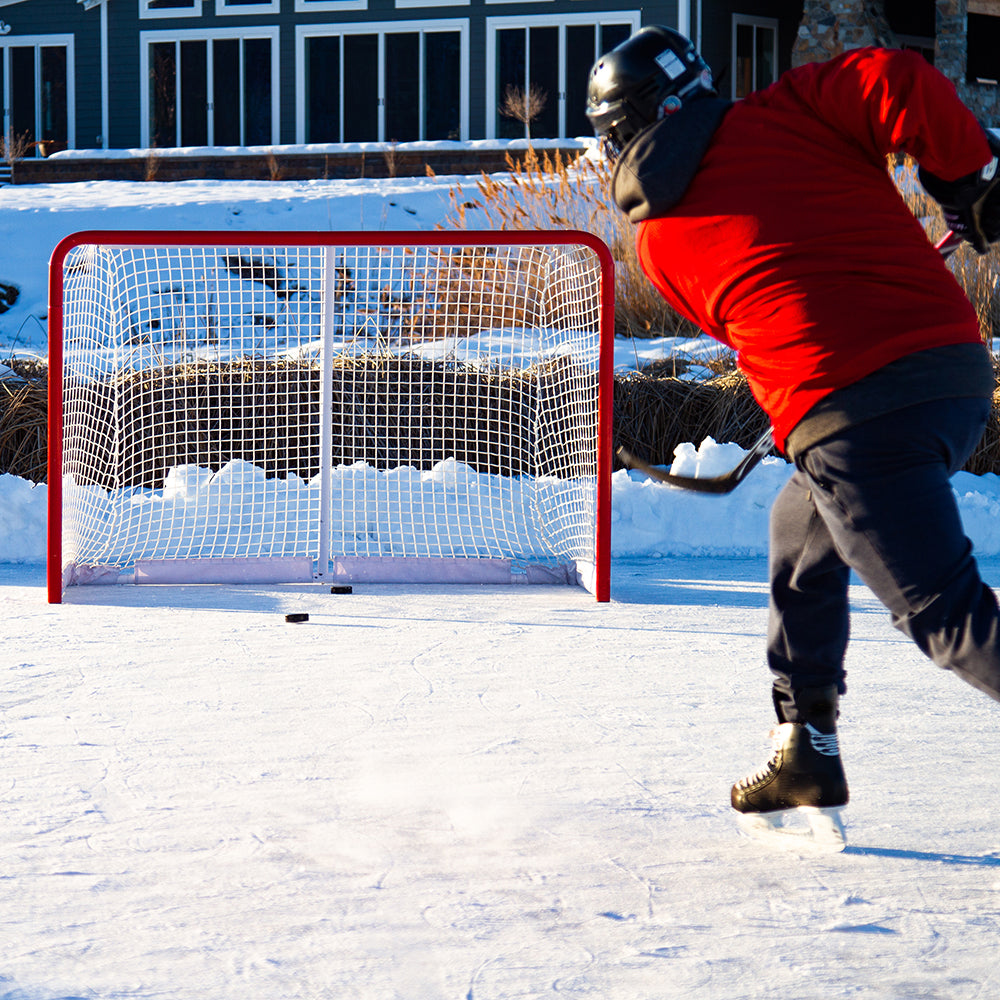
(163, 73)
(109, 74)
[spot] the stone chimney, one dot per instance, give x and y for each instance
(830, 27)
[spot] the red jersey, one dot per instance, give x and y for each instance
(791, 243)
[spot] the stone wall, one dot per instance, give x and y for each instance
(950, 59)
(830, 27)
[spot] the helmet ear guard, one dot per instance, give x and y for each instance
(647, 77)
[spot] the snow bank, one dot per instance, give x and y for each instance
(649, 518)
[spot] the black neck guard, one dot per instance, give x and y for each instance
(657, 166)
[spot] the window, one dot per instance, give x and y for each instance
(983, 49)
(36, 77)
(247, 6)
(553, 60)
(527, 63)
(329, 5)
(912, 17)
(755, 54)
(214, 89)
(389, 84)
(170, 8)
(914, 24)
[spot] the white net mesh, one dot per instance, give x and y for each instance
(329, 403)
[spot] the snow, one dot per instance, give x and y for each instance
(327, 148)
(465, 792)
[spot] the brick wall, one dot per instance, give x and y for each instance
(279, 166)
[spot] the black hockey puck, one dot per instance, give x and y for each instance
(296, 618)
(341, 588)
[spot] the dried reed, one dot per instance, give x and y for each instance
(392, 410)
(388, 411)
(554, 193)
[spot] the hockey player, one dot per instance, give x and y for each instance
(773, 224)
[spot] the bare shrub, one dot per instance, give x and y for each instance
(523, 105)
(14, 148)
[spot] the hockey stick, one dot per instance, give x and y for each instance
(725, 483)
(948, 244)
(728, 481)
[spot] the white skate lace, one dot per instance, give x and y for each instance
(764, 772)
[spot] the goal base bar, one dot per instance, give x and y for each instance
(368, 569)
(429, 569)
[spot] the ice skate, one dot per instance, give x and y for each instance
(794, 800)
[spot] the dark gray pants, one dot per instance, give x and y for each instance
(877, 499)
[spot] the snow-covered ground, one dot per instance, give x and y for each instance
(464, 793)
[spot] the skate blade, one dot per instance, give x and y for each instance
(806, 828)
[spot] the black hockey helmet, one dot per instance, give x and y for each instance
(640, 81)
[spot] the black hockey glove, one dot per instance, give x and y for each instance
(970, 205)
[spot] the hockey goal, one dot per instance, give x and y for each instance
(348, 407)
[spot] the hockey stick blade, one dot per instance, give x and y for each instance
(725, 483)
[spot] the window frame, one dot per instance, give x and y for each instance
(768, 23)
(226, 8)
(632, 18)
(381, 29)
(209, 35)
(38, 42)
(194, 9)
(327, 7)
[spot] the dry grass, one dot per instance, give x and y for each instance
(181, 408)
(388, 411)
(450, 298)
(652, 415)
(978, 275)
(553, 193)
(17, 147)
(24, 421)
(986, 457)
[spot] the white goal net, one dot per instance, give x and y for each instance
(344, 407)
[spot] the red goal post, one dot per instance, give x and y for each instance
(282, 406)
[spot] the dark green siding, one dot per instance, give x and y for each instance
(40, 17)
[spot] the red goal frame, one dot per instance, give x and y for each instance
(296, 239)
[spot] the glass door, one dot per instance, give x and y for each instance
(36, 99)
(210, 91)
(755, 54)
(389, 86)
(537, 81)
